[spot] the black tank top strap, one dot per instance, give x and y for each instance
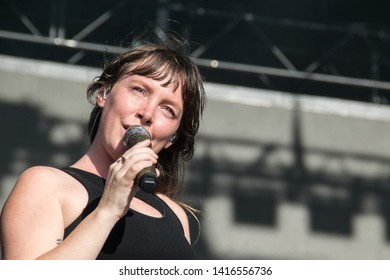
(91, 182)
(94, 186)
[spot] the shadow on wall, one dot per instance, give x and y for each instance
(258, 188)
(30, 138)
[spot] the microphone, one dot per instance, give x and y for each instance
(147, 178)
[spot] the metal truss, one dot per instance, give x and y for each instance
(235, 41)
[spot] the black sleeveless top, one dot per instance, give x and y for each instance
(135, 236)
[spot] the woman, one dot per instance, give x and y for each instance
(94, 209)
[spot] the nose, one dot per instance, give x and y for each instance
(145, 114)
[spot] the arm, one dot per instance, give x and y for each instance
(33, 218)
(32, 221)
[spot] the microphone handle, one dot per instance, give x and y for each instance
(147, 179)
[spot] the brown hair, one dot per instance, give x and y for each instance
(159, 61)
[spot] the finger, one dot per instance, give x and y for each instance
(139, 150)
(137, 160)
(143, 143)
(121, 159)
(133, 170)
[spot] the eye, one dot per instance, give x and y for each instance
(170, 111)
(138, 91)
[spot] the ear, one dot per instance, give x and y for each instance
(101, 97)
(172, 141)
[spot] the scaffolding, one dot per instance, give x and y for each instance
(274, 51)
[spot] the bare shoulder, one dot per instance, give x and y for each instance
(42, 172)
(45, 170)
(180, 213)
(52, 185)
(35, 185)
(33, 175)
(39, 179)
(34, 206)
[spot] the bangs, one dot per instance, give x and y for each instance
(159, 68)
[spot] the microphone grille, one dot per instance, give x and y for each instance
(135, 134)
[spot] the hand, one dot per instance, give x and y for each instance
(120, 184)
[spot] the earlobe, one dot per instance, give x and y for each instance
(172, 141)
(173, 138)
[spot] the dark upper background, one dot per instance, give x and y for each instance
(337, 38)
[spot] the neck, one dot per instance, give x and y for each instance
(96, 161)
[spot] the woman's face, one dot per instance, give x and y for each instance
(139, 100)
